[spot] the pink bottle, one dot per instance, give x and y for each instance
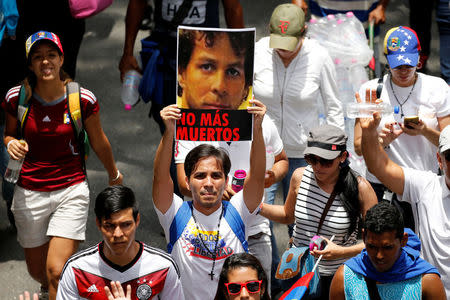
(237, 183)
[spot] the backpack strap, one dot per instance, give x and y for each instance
(234, 219)
(22, 111)
(74, 106)
(179, 222)
(184, 214)
(76, 119)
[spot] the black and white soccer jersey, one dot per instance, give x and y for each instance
(152, 274)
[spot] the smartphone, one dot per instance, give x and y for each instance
(412, 119)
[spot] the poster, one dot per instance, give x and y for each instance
(214, 83)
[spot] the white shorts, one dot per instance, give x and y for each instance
(41, 215)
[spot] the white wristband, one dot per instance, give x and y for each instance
(9, 143)
(117, 176)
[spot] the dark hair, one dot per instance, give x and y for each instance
(347, 189)
(204, 151)
(114, 199)
(236, 261)
(30, 80)
(384, 217)
(241, 42)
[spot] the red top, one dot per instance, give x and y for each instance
(52, 162)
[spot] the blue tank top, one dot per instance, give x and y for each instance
(355, 288)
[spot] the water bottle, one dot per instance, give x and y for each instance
(130, 88)
(237, 183)
(366, 110)
(357, 25)
(13, 169)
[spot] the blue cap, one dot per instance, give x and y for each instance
(402, 47)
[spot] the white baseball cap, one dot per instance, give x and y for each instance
(444, 139)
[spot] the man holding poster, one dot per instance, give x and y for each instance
(202, 233)
(215, 71)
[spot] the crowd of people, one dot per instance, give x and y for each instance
(220, 243)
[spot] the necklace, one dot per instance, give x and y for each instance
(395, 96)
(216, 240)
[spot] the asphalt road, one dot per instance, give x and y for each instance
(134, 137)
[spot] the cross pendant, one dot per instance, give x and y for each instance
(212, 275)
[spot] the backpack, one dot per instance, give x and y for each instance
(75, 115)
(184, 214)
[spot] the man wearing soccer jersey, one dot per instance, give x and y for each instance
(149, 272)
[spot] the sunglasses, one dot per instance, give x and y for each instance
(447, 155)
(313, 160)
(252, 287)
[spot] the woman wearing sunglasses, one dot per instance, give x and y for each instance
(327, 178)
(242, 277)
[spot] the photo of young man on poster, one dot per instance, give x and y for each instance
(215, 74)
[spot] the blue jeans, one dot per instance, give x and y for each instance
(443, 21)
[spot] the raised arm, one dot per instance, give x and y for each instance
(285, 213)
(233, 13)
(377, 161)
(387, 134)
(254, 182)
(162, 182)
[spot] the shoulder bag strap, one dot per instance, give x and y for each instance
(372, 289)
(22, 111)
(379, 87)
(326, 209)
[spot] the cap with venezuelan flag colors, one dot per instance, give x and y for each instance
(42, 35)
(402, 47)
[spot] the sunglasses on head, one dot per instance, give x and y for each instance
(313, 160)
(235, 288)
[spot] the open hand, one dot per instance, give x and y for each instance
(369, 123)
(116, 292)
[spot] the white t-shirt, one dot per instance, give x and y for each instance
(239, 153)
(430, 198)
(151, 273)
(292, 94)
(430, 99)
(194, 261)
